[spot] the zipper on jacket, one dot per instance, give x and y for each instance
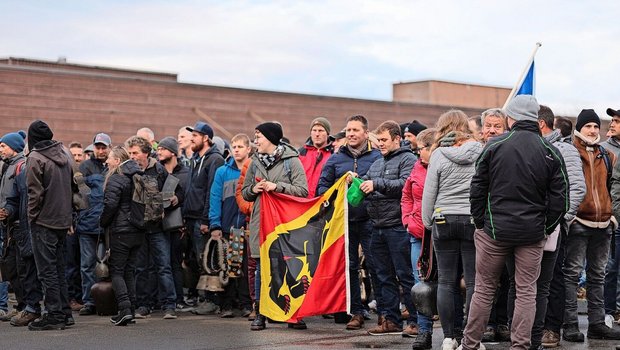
(595, 195)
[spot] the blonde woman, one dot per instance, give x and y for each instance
(125, 238)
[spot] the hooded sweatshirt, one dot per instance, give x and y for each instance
(450, 171)
(49, 178)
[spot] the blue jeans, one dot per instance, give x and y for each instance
(391, 254)
(360, 232)
(425, 323)
(4, 296)
(88, 261)
(611, 276)
(156, 249)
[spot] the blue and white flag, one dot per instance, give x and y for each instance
(528, 86)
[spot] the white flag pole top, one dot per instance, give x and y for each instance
(522, 77)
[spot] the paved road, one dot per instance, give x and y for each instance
(211, 332)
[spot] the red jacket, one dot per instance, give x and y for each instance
(411, 201)
(313, 159)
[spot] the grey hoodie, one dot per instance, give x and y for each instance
(450, 171)
(49, 179)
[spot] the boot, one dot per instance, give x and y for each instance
(601, 331)
(259, 322)
(572, 334)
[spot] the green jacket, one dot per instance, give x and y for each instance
(290, 179)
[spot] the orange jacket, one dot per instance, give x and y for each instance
(244, 206)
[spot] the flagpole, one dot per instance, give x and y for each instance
(522, 77)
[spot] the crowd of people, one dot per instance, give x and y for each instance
(514, 203)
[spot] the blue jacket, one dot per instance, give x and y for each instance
(223, 209)
(201, 175)
(338, 164)
(94, 172)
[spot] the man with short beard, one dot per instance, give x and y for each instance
(205, 161)
(87, 223)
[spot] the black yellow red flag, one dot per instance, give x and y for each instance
(303, 245)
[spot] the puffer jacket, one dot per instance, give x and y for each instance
(411, 203)
(520, 191)
(574, 168)
(388, 175)
(117, 200)
(342, 162)
(291, 182)
(50, 192)
(612, 145)
(223, 210)
(448, 180)
(596, 209)
(87, 221)
(313, 159)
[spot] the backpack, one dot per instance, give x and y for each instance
(605, 155)
(147, 203)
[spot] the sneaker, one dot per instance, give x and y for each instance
(7, 316)
(423, 341)
(411, 331)
(227, 313)
(183, 307)
(550, 339)
(87, 310)
(123, 318)
(206, 308)
(502, 333)
(572, 334)
(387, 327)
(489, 334)
(246, 312)
(75, 306)
(23, 318)
(142, 312)
(357, 322)
(601, 331)
(45, 323)
(170, 314)
(449, 344)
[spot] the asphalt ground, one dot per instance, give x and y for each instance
(212, 332)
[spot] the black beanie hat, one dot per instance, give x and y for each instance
(587, 116)
(38, 131)
(271, 131)
(415, 127)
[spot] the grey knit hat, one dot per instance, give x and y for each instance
(169, 143)
(523, 107)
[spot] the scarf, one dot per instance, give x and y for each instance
(269, 160)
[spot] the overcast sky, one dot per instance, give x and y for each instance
(345, 48)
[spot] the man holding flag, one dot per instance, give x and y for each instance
(357, 156)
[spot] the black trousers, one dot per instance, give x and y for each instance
(124, 249)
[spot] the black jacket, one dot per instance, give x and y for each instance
(50, 191)
(117, 200)
(520, 190)
(388, 175)
(201, 175)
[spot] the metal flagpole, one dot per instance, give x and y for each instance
(522, 77)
